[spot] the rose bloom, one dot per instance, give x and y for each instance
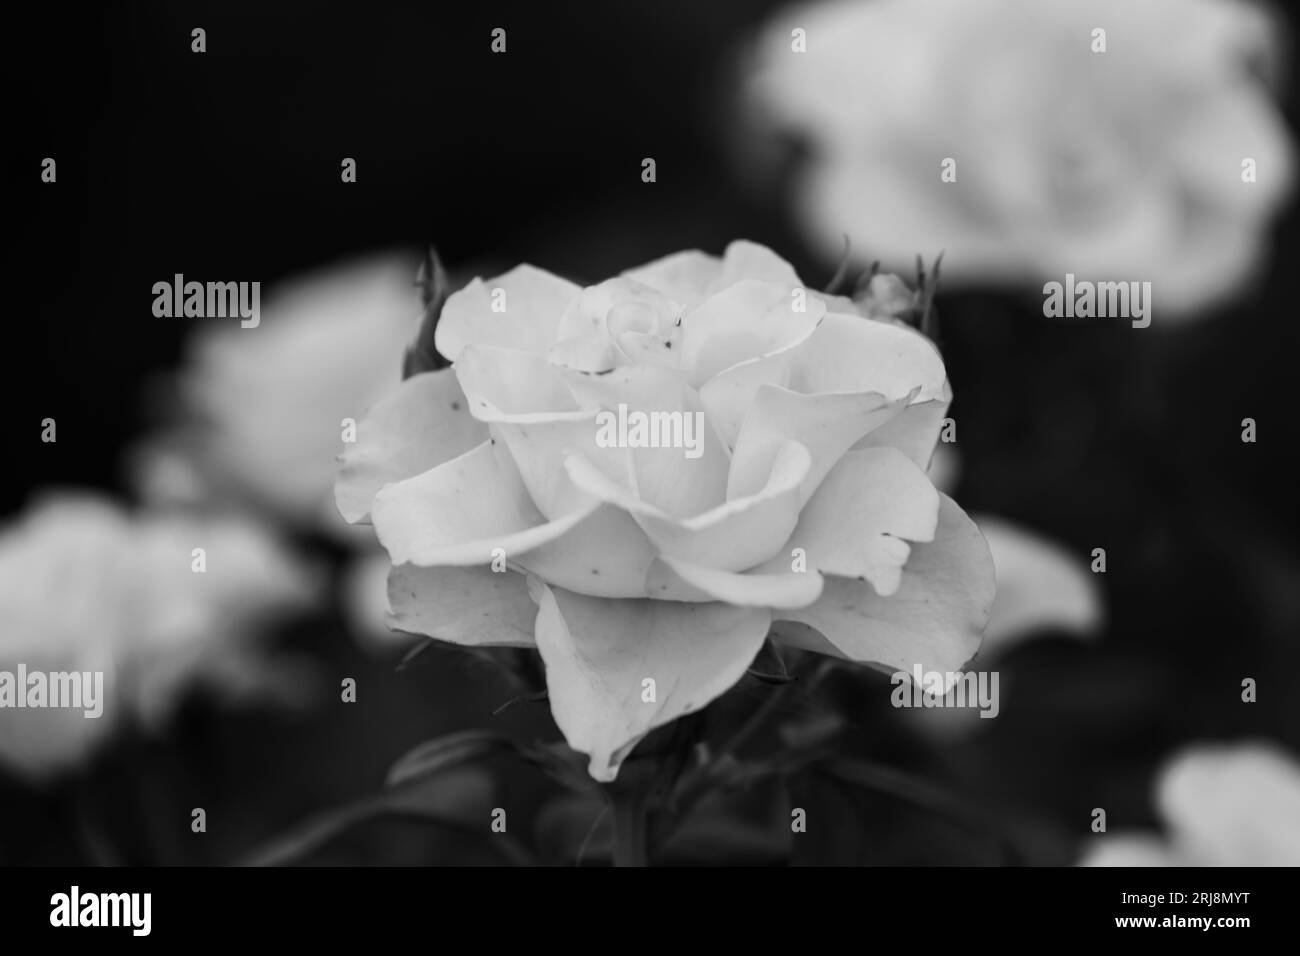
(85, 586)
(648, 578)
(1122, 165)
(1222, 805)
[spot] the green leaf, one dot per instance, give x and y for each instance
(435, 287)
(834, 834)
(561, 763)
(769, 666)
(920, 793)
(746, 828)
(441, 753)
(423, 800)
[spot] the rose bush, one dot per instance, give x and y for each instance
(648, 580)
(1122, 165)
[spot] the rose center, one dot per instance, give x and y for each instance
(630, 317)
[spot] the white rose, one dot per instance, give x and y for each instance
(86, 587)
(1122, 165)
(648, 578)
(1222, 805)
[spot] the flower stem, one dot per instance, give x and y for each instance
(630, 817)
(772, 702)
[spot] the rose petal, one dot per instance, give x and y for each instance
(691, 277)
(743, 259)
(649, 348)
(666, 479)
(914, 430)
(728, 395)
(599, 653)
(584, 353)
(936, 617)
(685, 276)
(533, 413)
(673, 580)
(506, 384)
(606, 554)
(615, 306)
(828, 425)
(861, 519)
(472, 606)
(733, 536)
(461, 511)
(849, 353)
(748, 320)
(423, 424)
(534, 301)
(540, 449)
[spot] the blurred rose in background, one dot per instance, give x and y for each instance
(86, 586)
(264, 413)
(1123, 164)
(263, 410)
(1222, 805)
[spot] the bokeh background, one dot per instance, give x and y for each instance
(226, 166)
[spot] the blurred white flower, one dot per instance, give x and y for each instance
(1041, 587)
(365, 603)
(85, 586)
(1118, 165)
(1222, 805)
(264, 408)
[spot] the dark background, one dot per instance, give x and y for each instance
(226, 165)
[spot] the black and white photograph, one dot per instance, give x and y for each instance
(743, 433)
